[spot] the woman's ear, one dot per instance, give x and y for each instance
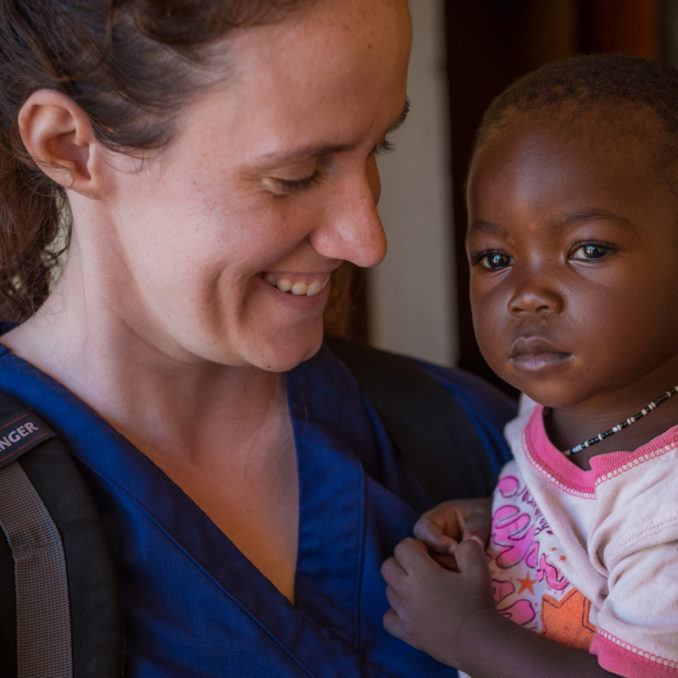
(59, 137)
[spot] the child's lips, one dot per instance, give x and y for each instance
(536, 353)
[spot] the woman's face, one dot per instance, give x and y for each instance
(224, 243)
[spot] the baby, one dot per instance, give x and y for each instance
(573, 247)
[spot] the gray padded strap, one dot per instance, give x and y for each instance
(43, 612)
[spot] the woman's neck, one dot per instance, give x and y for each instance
(158, 402)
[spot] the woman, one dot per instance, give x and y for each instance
(219, 163)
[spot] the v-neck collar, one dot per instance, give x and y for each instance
(331, 515)
(332, 500)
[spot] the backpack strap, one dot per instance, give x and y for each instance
(58, 578)
(425, 423)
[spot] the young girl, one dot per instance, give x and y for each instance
(573, 242)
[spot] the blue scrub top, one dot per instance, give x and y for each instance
(193, 605)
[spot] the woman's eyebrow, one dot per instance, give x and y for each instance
(317, 150)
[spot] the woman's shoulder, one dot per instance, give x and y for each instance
(477, 396)
(434, 404)
(480, 400)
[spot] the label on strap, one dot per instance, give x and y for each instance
(21, 434)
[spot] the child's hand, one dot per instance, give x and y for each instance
(429, 604)
(447, 524)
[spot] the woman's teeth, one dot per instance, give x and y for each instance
(298, 288)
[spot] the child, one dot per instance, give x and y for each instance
(573, 246)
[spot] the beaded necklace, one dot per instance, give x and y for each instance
(622, 424)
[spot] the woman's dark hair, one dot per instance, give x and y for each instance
(130, 65)
(612, 83)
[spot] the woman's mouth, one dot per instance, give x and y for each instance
(309, 285)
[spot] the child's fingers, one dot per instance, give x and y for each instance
(412, 555)
(393, 597)
(478, 526)
(392, 572)
(478, 540)
(470, 558)
(446, 561)
(431, 533)
(393, 624)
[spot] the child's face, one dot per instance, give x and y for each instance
(573, 244)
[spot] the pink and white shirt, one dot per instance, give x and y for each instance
(590, 558)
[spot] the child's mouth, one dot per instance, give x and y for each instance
(535, 353)
(538, 361)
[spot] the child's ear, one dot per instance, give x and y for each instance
(59, 137)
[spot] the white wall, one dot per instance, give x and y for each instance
(410, 299)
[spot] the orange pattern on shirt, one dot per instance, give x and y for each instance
(567, 620)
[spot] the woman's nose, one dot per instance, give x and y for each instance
(534, 296)
(352, 230)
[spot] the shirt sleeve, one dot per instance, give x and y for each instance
(637, 625)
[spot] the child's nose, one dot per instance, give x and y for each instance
(533, 297)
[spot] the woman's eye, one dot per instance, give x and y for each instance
(591, 251)
(384, 146)
(492, 260)
(287, 186)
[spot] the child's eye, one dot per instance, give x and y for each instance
(591, 251)
(491, 260)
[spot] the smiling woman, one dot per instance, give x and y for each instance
(255, 204)
(217, 163)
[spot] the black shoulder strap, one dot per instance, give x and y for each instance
(58, 600)
(425, 423)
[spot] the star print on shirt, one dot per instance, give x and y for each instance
(526, 583)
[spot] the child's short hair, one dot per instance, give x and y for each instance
(595, 81)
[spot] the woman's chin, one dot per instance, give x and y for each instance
(283, 355)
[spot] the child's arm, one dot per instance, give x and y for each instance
(451, 616)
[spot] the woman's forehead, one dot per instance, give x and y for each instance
(345, 33)
(287, 83)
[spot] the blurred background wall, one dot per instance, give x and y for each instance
(465, 52)
(411, 296)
